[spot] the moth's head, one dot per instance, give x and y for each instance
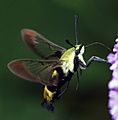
(79, 51)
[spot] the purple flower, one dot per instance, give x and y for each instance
(113, 84)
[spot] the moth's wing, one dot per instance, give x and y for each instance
(39, 44)
(39, 71)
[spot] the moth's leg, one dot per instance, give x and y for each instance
(95, 58)
(64, 90)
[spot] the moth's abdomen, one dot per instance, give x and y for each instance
(48, 95)
(57, 76)
(51, 93)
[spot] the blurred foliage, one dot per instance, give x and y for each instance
(98, 21)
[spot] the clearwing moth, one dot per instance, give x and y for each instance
(55, 67)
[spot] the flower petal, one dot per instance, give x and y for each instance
(113, 104)
(110, 58)
(113, 84)
(115, 74)
(116, 40)
(114, 66)
(115, 47)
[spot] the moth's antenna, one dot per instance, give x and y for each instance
(98, 43)
(67, 41)
(76, 36)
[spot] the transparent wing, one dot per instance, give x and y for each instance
(41, 45)
(39, 71)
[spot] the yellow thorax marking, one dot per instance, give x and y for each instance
(67, 59)
(69, 52)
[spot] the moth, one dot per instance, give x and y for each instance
(55, 66)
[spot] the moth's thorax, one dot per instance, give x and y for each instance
(67, 60)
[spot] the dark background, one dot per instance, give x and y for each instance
(98, 21)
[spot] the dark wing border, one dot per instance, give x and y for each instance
(33, 40)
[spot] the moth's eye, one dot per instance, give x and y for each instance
(77, 52)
